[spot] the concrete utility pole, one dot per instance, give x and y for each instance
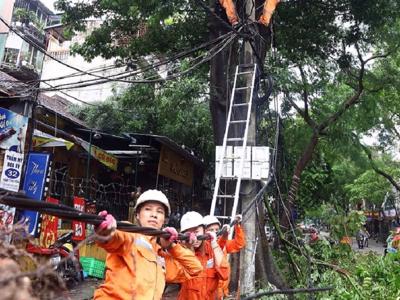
(249, 188)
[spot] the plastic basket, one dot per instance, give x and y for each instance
(93, 267)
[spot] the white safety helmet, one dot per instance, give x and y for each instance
(154, 195)
(209, 220)
(190, 220)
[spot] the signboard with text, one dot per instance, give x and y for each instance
(79, 227)
(12, 130)
(48, 232)
(174, 166)
(34, 183)
(99, 154)
(12, 168)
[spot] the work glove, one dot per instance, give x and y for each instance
(238, 219)
(173, 232)
(213, 236)
(213, 239)
(105, 231)
(225, 230)
(166, 243)
(192, 238)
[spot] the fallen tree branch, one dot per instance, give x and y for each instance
(288, 292)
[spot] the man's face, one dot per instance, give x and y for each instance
(199, 230)
(151, 214)
(213, 228)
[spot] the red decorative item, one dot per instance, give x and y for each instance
(48, 233)
(79, 227)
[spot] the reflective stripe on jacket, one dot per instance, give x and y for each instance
(205, 285)
(137, 267)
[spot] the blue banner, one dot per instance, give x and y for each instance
(12, 130)
(35, 180)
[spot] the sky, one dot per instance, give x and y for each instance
(49, 3)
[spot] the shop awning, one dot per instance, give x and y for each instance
(41, 139)
(99, 154)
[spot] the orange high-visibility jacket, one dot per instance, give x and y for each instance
(238, 242)
(205, 285)
(230, 246)
(265, 18)
(137, 268)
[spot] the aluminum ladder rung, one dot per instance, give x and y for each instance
(238, 121)
(234, 139)
(246, 66)
(239, 104)
(244, 73)
(226, 196)
(223, 217)
(243, 88)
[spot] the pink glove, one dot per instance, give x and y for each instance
(192, 238)
(109, 223)
(173, 232)
(103, 213)
(212, 235)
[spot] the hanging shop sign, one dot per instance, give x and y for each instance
(90, 209)
(48, 232)
(12, 130)
(37, 167)
(174, 166)
(99, 154)
(42, 139)
(79, 227)
(12, 168)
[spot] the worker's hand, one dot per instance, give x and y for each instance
(213, 239)
(238, 218)
(166, 243)
(225, 230)
(106, 230)
(192, 238)
(213, 236)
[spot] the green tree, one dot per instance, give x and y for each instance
(176, 109)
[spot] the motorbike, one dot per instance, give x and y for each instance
(65, 263)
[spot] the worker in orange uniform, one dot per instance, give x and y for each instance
(209, 253)
(137, 267)
(268, 10)
(212, 224)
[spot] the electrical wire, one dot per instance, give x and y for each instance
(206, 58)
(225, 40)
(40, 49)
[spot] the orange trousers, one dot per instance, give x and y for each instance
(223, 286)
(268, 10)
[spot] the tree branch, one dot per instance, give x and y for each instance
(376, 169)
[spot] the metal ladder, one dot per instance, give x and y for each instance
(242, 106)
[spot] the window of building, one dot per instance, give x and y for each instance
(10, 56)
